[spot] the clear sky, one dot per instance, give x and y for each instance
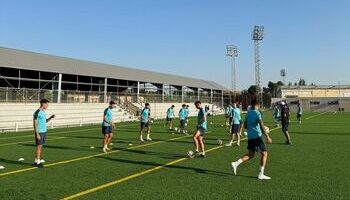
(188, 37)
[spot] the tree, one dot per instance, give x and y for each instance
(301, 82)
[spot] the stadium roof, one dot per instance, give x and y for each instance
(14, 58)
(316, 87)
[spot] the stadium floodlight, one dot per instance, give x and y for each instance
(232, 51)
(283, 74)
(257, 36)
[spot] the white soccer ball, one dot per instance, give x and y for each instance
(151, 121)
(175, 128)
(190, 154)
(219, 142)
(185, 124)
(245, 133)
(21, 159)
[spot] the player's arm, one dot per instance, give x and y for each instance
(51, 117)
(35, 124)
(267, 135)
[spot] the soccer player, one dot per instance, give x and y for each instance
(227, 115)
(255, 126)
(170, 116)
(276, 115)
(107, 126)
(285, 121)
(187, 112)
(236, 125)
(201, 129)
(182, 117)
(39, 123)
(146, 122)
(299, 112)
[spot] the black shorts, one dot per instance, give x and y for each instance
(201, 131)
(256, 144)
(182, 122)
(285, 124)
(42, 139)
(230, 119)
(235, 128)
(106, 130)
(168, 119)
(144, 125)
(298, 116)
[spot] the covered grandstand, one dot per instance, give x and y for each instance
(26, 77)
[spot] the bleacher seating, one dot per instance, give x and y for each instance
(19, 116)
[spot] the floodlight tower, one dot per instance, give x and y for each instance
(258, 36)
(283, 74)
(232, 51)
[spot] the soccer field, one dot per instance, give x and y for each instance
(316, 166)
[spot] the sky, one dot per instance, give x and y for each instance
(308, 38)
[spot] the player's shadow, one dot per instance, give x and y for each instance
(154, 164)
(160, 154)
(81, 148)
(326, 134)
(3, 160)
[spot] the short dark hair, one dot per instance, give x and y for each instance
(197, 102)
(146, 104)
(44, 101)
(172, 106)
(254, 102)
(111, 103)
(183, 105)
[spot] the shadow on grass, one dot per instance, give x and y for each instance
(154, 164)
(3, 160)
(326, 134)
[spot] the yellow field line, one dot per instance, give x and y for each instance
(124, 179)
(28, 141)
(87, 157)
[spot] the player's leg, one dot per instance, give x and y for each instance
(195, 141)
(109, 139)
(202, 145)
(263, 161)
(141, 131)
(238, 138)
(38, 154)
(148, 132)
(246, 157)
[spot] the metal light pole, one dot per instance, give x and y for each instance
(232, 51)
(257, 36)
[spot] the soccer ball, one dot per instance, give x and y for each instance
(211, 122)
(175, 128)
(219, 142)
(190, 154)
(185, 124)
(267, 129)
(151, 121)
(245, 133)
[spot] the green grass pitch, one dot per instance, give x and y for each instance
(316, 166)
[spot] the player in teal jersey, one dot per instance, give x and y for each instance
(40, 130)
(146, 122)
(107, 126)
(255, 126)
(201, 129)
(170, 117)
(277, 115)
(182, 117)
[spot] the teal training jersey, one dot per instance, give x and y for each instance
(170, 113)
(236, 116)
(182, 114)
(108, 113)
(201, 114)
(145, 114)
(277, 113)
(300, 110)
(187, 112)
(252, 119)
(40, 116)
